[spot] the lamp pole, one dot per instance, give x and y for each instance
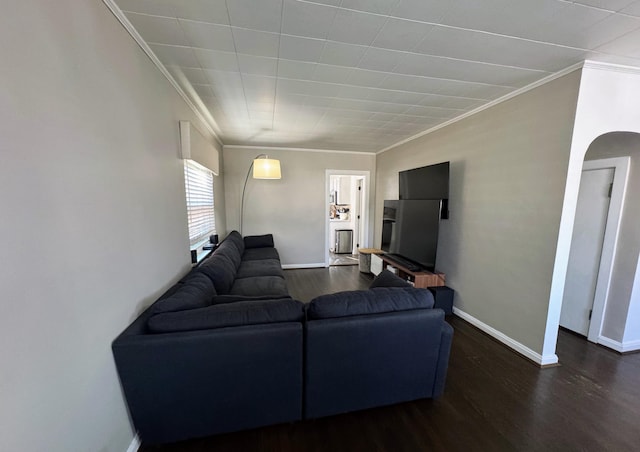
(244, 188)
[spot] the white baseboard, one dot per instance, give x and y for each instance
(509, 342)
(292, 266)
(135, 444)
(621, 347)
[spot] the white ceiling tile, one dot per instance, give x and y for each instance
(613, 27)
(439, 67)
(203, 90)
(423, 10)
(259, 43)
(373, 6)
(613, 5)
(208, 36)
(401, 34)
(380, 59)
(332, 74)
(158, 30)
(296, 69)
(192, 74)
(217, 60)
(508, 17)
(303, 49)
(165, 8)
(261, 15)
(363, 77)
(626, 45)
(355, 92)
(259, 84)
(495, 49)
(633, 9)
(307, 19)
(353, 27)
(568, 25)
(339, 54)
(213, 11)
(249, 64)
(176, 55)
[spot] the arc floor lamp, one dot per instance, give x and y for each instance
(263, 168)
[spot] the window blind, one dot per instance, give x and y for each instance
(199, 189)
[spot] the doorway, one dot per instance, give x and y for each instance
(593, 244)
(347, 216)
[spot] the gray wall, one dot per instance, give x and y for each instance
(620, 144)
(293, 208)
(93, 218)
(508, 173)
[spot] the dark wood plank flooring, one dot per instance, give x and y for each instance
(494, 400)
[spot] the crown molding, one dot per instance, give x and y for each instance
(611, 67)
(283, 148)
(208, 122)
(495, 102)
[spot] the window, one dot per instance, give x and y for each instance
(199, 188)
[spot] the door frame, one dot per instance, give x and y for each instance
(364, 220)
(620, 166)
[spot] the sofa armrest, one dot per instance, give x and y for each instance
(199, 383)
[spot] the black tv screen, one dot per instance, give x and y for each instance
(427, 182)
(410, 230)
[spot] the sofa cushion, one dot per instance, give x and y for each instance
(261, 267)
(228, 315)
(252, 254)
(229, 250)
(373, 301)
(220, 270)
(260, 286)
(387, 279)
(235, 238)
(196, 292)
(258, 241)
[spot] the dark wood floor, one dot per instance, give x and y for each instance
(494, 400)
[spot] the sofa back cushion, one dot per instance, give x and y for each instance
(195, 292)
(221, 270)
(259, 241)
(228, 315)
(235, 238)
(373, 301)
(230, 250)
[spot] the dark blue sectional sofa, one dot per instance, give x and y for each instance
(228, 349)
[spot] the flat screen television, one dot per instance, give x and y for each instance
(427, 182)
(410, 230)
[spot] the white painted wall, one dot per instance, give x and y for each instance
(607, 103)
(508, 172)
(619, 319)
(93, 221)
(294, 208)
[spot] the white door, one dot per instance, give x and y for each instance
(586, 249)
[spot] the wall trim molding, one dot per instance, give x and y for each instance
(620, 347)
(281, 148)
(611, 67)
(497, 101)
(135, 444)
(523, 350)
(294, 266)
(209, 122)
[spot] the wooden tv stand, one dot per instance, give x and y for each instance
(420, 279)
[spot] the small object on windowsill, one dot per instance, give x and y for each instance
(210, 246)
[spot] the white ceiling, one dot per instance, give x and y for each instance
(362, 75)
